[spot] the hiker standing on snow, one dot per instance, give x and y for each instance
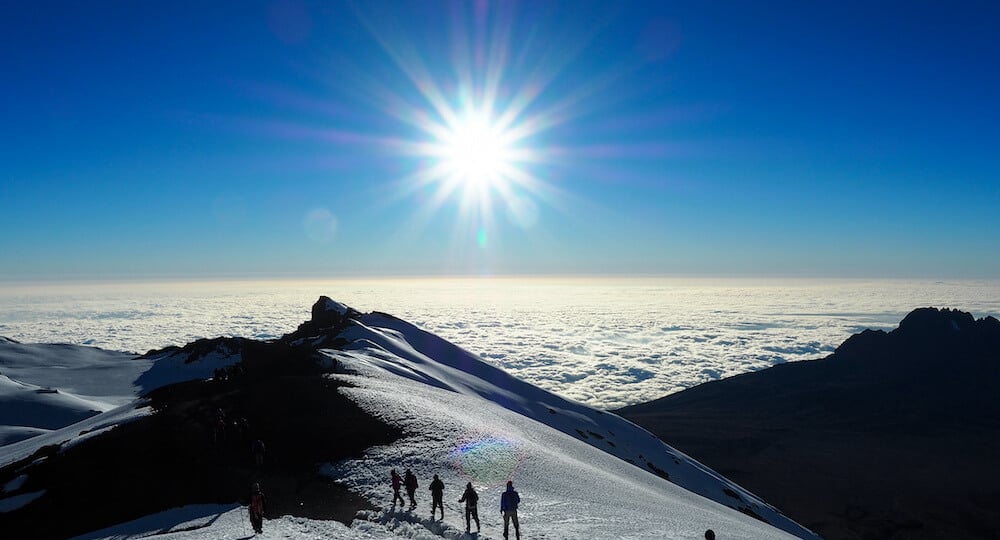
(410, 482)
(437, 496)
(471, 500)
(257, 509)
(397, 482)
(258, 453)
(508, 507)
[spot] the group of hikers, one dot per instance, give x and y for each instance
(231, 433)
(234, 431)
(509, 500)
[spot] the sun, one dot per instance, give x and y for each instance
(474, 150)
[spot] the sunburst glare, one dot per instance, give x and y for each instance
(476, 125)
(476, 156)
(474, 150)
(479, 132)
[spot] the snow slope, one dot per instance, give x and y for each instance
(45, 387)
(467, 421)
(28, 405)
(87, 372)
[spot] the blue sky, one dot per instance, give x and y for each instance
(278, 139)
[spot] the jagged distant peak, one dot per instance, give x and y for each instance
(928, 331)
(930, 318)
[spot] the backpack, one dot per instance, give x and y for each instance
(509, 500)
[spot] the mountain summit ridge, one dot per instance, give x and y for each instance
(339, 401)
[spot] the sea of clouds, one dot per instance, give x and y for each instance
(606, 342)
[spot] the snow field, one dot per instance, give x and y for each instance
(465, 420)
(391, 346)
(568, 488)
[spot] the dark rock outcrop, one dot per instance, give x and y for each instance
(895, 435)
(329, 317)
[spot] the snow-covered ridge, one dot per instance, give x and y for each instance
(397, 347)
(582, 472)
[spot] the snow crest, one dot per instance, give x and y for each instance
(468, 421)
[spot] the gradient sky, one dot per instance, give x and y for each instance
(212, 139)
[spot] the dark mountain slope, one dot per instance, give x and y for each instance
(895, 435)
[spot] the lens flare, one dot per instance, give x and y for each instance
(487, 460)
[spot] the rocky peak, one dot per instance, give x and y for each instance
(327, 312)
(928, 332)
(936, 321)
(328, 318)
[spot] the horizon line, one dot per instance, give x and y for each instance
(277, 278)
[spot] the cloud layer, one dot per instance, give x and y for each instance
(605, 342)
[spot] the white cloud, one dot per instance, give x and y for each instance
(606, 342)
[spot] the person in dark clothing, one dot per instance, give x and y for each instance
(710, 535)
(258, 453)
(437, 496)
(508, 507)
(219, 432)
(257, 509)
(471, 500)
(397, 482)
(410, 482)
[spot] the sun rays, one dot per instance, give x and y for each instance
(475, 127)
(477, 142)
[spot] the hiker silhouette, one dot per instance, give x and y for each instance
(410, 482)
(437, 496)
(397, 482)
(508, 507)
(257, 508)
(471, 500)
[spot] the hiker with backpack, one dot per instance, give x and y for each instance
(471, 500)
(410, 482)
(397, 482)
(257, 509)
(508, 507)
(437, 496)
